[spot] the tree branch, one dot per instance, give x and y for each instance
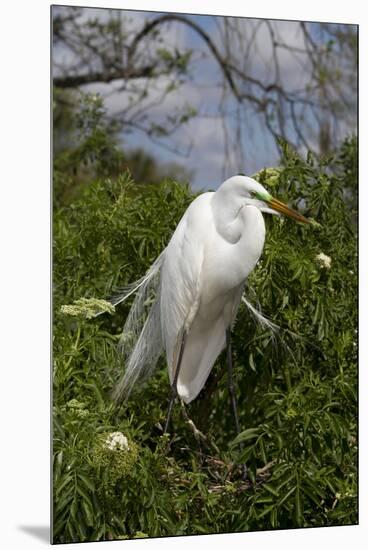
(72, 81)
(184, 20)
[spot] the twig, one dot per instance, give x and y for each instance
(264, 469)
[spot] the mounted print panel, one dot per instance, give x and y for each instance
(204, 274)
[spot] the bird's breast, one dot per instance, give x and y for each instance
(227, 265)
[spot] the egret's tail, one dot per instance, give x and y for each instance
(260, 318)
(141, 341)
(276, 330)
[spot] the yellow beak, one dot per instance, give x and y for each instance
(284, 209)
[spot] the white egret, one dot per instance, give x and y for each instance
(198, 281)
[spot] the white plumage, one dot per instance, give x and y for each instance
(198, 281)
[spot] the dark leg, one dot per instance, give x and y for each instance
(232, 390)
(174, 384)
(230, 380)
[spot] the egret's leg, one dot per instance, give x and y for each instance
(174, 389)
(231, 381)
(232, 390)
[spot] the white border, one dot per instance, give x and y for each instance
(24, 230)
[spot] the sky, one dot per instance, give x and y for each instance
(202, 140)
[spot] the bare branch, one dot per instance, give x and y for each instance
(73, 81)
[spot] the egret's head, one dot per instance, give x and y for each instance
(253, 193)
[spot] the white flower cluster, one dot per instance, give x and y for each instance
(87, 308)
(324, 260)
(116, 441)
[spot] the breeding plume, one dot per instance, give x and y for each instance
(196, 285)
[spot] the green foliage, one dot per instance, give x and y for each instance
(86, 147)
(297, 389)
(113, 463)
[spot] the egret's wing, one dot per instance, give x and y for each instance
(181, 277)
(182, 306)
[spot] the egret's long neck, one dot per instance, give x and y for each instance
(226, 210)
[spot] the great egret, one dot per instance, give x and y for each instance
(197, 281)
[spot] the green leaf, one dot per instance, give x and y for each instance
(87, 482)
(287, 496)
(298, 507)
(87, 509)
(246, 435)
(271, 489)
